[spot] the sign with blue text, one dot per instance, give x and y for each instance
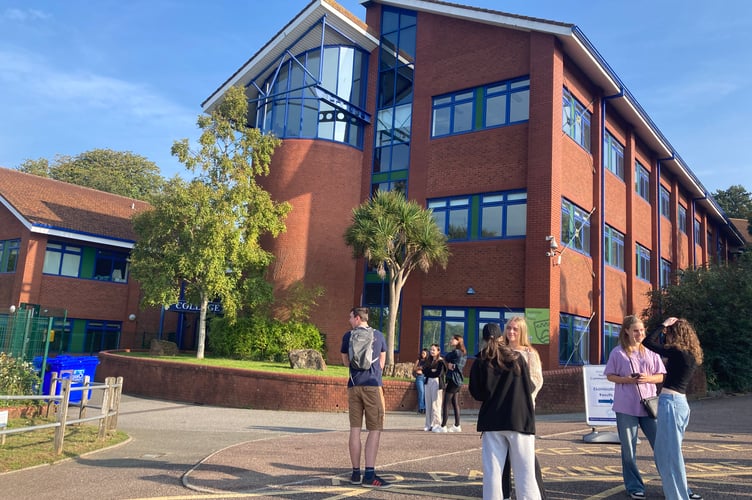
(599, 396)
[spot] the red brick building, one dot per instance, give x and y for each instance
(561, 198)
(64, 253)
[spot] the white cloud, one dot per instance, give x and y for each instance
(28, 77)
(24, 14)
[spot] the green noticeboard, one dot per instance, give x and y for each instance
(538, 324)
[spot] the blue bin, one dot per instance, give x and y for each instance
(74, 368)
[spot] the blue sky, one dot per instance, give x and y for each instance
(76, 75)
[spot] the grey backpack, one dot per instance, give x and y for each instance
(361, 348)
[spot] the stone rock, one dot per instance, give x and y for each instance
(309, 359)
(399, 370)
(163, 348)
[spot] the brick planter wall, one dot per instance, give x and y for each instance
(562, 391)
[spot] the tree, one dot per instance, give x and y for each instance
(205, 233)
(735, 201)
(117, 172)
(717, 300)
(396, 236)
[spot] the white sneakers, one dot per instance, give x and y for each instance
(438, 428)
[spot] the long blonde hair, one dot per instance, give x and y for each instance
(523, 338)
(624, 341)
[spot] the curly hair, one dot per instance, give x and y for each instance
(682, 336)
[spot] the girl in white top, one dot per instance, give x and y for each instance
(516, 337)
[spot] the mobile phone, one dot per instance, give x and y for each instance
(635, 375)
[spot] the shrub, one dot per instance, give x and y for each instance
(261, 339)
(16, 378)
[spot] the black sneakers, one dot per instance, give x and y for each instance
(375, 482)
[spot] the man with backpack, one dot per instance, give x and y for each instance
(364, 351)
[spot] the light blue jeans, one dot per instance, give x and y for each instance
(673, 417)
(420, 386)
(626, 426)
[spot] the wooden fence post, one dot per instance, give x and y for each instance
(84, 397)
(106, 398)
(115, 404)
(62, 416)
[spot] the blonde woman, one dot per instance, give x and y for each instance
(516, 337)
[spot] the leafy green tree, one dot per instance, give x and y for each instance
(717, 300)
(396, 236)
(117, 172)
(735, 201)
(205, 233)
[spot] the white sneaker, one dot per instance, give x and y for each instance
(426, 429)
(438, 428)
(455, 428)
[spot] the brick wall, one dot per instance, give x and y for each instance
(562, 391)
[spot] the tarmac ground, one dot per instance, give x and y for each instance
(184, 451)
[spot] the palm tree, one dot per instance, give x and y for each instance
(396, 236)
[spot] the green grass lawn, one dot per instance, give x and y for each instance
(28, 449)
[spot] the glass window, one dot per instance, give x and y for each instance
(111, 266)
(440, 324)
(575, 227)
(665, 203)
(698, 233)
(502, 103)
(643, 262)
(574, 340)
(642, 181)
(62, 259)
(665, 273)
(614, 248)
(576, 120)
(9, 255)
(682, 219)
(613, 154)
(482, 216)
(610, 337)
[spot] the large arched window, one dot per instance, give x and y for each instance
(317, 97)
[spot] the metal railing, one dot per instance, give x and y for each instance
(112, 391)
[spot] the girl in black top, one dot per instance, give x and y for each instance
(500, 379)
(683, 354)
(433, 370)
(455, 361)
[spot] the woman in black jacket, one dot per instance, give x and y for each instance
(499, 378)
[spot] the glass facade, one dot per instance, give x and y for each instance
(317, 97)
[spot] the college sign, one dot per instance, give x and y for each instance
(183, 306)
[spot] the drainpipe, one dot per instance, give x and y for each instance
(602, 220)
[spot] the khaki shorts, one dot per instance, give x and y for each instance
(368, 400)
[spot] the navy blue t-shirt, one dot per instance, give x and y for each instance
(373, 375)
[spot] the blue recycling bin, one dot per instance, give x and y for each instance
(74, 368)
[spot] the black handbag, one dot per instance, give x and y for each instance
(650, 403)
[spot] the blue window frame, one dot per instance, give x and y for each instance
(613, 155)
(439, 324)
(62, 259)
(698, 233)
(102, 335)
(575, 227)
(682, 219)
(614, 247)
(643, 262)
(574, 340)
(610, 337)
(576, 120)
(111, 266)
(9, 255)
(642, 181)
(482, 216)
(489, 106)
(665, 273)
(665, 203)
